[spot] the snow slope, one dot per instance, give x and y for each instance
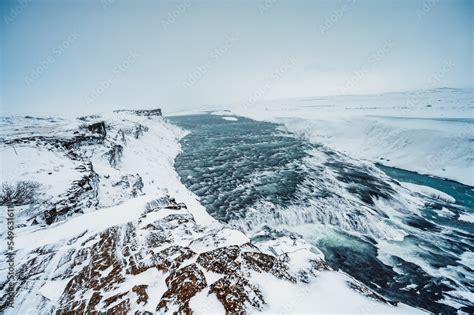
(429, 131)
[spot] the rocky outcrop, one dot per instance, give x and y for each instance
(112, 270)
(182, 284)
(114, 155)
(132, 184)
(237, 294)
(81, 195)
(143, 112)
(91, 141)
(98, 128)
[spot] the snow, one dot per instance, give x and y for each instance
(212, 277)
(226, 237)
(33, 126)
(52, 290)
(328, 293)
(152, 156)
(229, 118)
(429, 191)
(91, 222)
(157, 287)
(300, 251)
(155, 216)
(54, 172)
(185, 113)
(395, 129)
(204, 303)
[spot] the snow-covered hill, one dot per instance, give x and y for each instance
(103, 223)
(427, 131)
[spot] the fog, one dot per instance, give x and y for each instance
(87, 56)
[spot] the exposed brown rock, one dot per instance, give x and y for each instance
(94, 300)
(235, 293)
(140, 290)
(221, 260)
(93, 277)
(182, 284)
(114, 298)
(259, 261)
(172, 257)
(119, 309)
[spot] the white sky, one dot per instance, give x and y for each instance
(85, 56)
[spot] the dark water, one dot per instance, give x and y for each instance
(265, 181)
(245, 154)
(463, 194)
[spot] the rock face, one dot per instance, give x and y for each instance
(80, 195)
(98, 128)
(113, 270)
(144, 112)
(89, 142)
(182, 284)
(82, 192)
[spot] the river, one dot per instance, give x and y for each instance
(405, 245)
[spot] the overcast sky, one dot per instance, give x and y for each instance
(88, 56)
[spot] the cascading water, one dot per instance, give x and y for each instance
(264, 180)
